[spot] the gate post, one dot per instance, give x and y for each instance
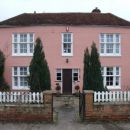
(89, 97)
(48, 102)
(47, 97)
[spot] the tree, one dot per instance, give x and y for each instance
(3, 84)
(92, 78)
(2, 61)
(86, 75)
(39, 78)
(95, 69)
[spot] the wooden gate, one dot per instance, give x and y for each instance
(82, 106)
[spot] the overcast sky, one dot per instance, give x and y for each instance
(10, 8)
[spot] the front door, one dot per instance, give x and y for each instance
(67, 81)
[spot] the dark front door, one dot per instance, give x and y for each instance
(67, 81)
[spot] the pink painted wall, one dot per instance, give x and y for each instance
(83, 36)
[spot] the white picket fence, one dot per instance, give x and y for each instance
(21, 97)
(112, 96)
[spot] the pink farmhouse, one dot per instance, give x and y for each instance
(65, 37)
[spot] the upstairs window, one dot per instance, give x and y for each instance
(110, 44)
(22, 44)
(67, 44)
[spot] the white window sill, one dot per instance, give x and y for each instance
(111, 55)
(22, 54)
(20, 88)
(113, 87)
(68, 54)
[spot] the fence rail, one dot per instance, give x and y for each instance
(21, 97)
(112, 96)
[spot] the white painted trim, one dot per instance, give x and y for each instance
(62, 50)
(18, 44)
(18, 75)
(114, 75)
(75, 82)
(114, 54)
(60, 82)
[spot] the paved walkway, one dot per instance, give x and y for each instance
(67, 119)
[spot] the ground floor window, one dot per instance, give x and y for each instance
(20, 77)
(75, 74)
(111, 77)
(58, 74)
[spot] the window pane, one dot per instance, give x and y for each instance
(23, 71)
(15, 71)
(109, 48)
(102, 70)
(15, 48)
(117, 70)
(31, 47)
(109, 71)
(109, 38)
(75, 70)
(102, 47)
(31, 37)
(67, 48)
(23, 81)
(112, 76)
(15, 38)
(67, 37)
(21, 38)
(58, 74)
(117, 48)
(117, 38)
(102, 38)
(109, 80)
(75, 75)
(23, 48)
(117, 81)
(15, 81)
(75, 78)
(25, 38)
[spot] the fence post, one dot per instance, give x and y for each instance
(89, 98)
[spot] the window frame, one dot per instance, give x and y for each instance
(114, 75)
(57, 73)
(78, 72)
(71, 43)
(104, 42)
(16, 41)
(19, 87)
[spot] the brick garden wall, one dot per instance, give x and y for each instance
(28, 112)
(105, 111)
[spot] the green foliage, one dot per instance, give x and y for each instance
(39, 79)
(2, 61)
(92, 79)
(3, 84)
(96, 76)
(86, 75)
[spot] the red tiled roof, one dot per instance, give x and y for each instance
(28, 19)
